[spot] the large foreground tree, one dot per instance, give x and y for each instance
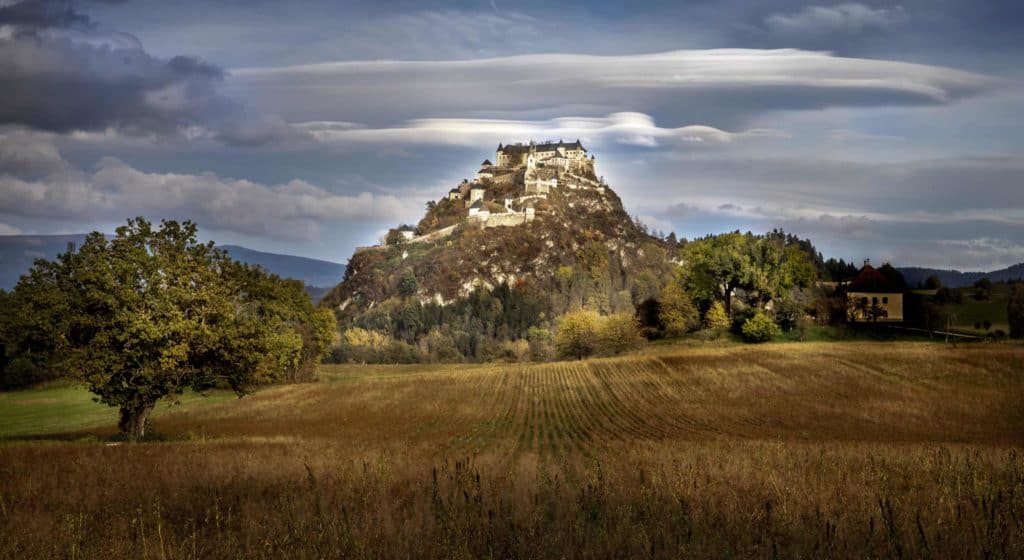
(153, 312)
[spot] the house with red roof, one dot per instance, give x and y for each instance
(875, 295)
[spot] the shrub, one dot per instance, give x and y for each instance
(577, 334)
(760, 328)
(618, 333)
(717, 319)
(677, 313)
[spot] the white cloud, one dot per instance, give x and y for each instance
(6, 229)
(688, 85)
(636, 129)
(115, 191)
(850, 17)
(656, 224)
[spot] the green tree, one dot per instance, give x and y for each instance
(153, 312)
(577, 334)
(717, 267)
(676, 311)
(1015, 310)
(717, 319)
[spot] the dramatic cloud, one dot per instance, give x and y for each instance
(115, 190)
(60, 84)
(847, 18)
(724, 85)
(60, 72)
(635, 129)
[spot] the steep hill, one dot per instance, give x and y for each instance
(576, 245)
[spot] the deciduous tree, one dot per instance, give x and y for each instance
(153, 312)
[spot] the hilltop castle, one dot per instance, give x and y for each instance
(561, 155)
(536, 168)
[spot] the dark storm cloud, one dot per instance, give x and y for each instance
(42, 13)
(61, 72)
(60, 84)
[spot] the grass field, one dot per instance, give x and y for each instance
(67, 409)
(973, 311)
(784, 450)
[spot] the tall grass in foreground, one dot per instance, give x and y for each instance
(286, 499)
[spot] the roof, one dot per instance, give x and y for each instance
(406, 228)
(542, 147)
(477, 188)
(478, 204)
(873, 280)
(486, 162)
(455, 191)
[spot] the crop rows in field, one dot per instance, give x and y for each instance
(573, 406)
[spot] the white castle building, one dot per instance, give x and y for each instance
(566, 156)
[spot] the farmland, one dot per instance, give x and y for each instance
(850, 449)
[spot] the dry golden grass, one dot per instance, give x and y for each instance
(814, 450)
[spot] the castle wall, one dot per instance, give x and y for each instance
(508, 219)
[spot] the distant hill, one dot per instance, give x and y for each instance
(956, 279)
(18, 252)
(314, 272)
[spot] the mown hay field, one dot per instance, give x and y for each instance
(785, 450)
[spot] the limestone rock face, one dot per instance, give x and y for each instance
(573, 237)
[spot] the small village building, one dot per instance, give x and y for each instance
(478, 210)
(876, 295)
(455, 194)
(407, 232)
(476, 192)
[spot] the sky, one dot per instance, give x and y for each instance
(889, 131)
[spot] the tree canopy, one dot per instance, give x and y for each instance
(152, 312)
(763, 267)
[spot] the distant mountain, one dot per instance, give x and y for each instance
(956, 279)
(18, 252)
(314, 272)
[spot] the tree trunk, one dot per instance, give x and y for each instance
(133, 421)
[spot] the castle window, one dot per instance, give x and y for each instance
(864, 301)
(885, 300)
(874, 301)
